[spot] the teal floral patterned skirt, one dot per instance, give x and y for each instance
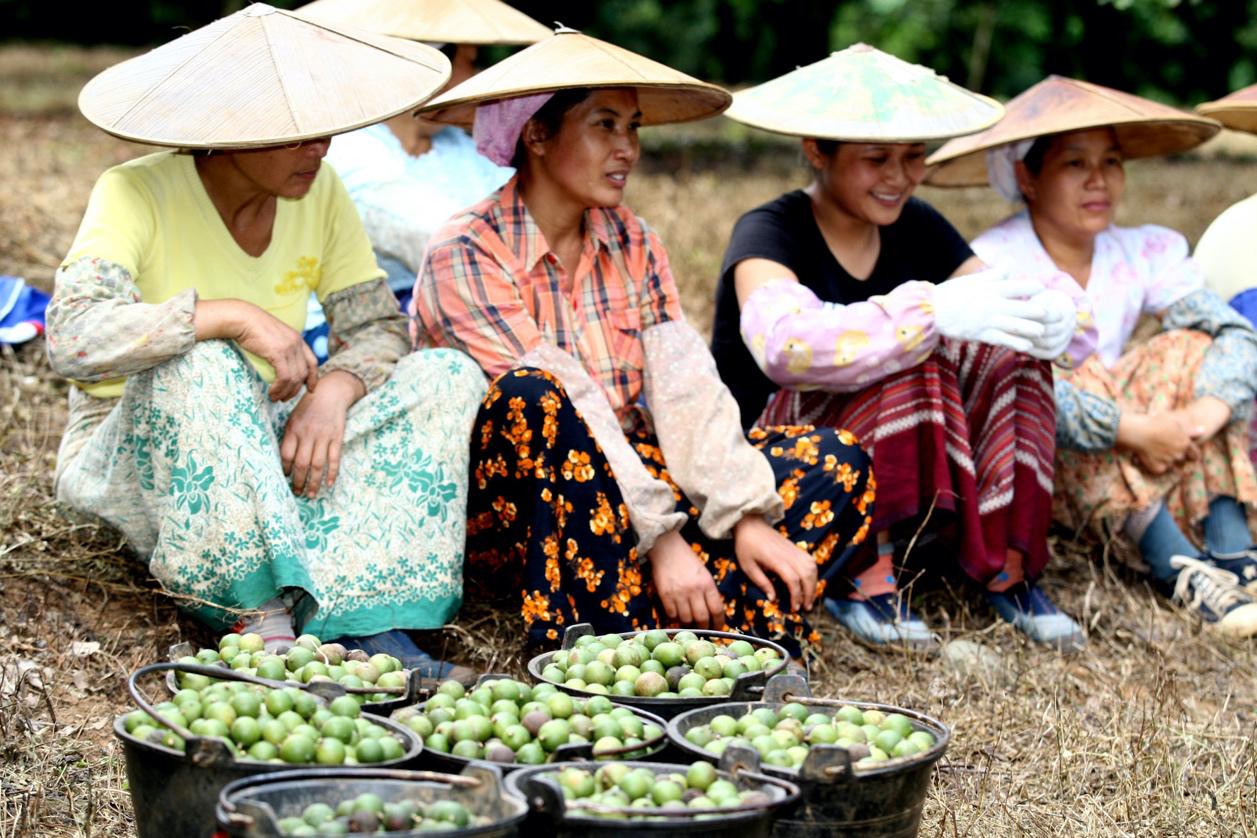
(187, 466)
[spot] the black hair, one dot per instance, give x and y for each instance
(550, 118)
(1033, 161)
(827, 147)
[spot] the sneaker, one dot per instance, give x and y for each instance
(398, 644)
(1215, 594)
(1033, 614)
(1243, 564)
(883, 620)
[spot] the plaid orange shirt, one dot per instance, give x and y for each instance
(491, 286)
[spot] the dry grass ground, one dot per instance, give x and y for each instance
(1150, 731)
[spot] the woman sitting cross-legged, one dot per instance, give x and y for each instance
(1152, 436)
(611, 482)
(851, 303)
(200, 426)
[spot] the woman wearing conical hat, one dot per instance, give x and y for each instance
(1152, 437)
(611, 480)
(200, 425)
(1225, 250)
(852, 304)
(408, 175)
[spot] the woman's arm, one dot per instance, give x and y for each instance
(367, 333)
(1227, 377)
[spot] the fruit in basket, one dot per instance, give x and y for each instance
(368, 814)
(617, 786)
(782, 737)
(508, 721)
(270, 725)
(306, 660)
(656, 665)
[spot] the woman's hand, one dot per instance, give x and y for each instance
(260, 332)
(310, 452)
(760, 547)
(686, 589)
(1204, 417)
(1158, 442)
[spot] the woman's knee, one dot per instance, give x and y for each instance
(527, 383)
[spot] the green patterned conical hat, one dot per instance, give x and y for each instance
(862, 94)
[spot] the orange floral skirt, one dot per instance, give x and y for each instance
(548, 527)
(1097, 490)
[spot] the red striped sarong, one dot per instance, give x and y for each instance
(971, 431)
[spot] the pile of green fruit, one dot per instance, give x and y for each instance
(368, 813)
(270, 725)
(507, 721)
(657, 664)
(783, 736)
(617, 786)
(308, 660)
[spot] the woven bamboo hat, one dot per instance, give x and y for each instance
(862, 94)
(1056, 105)
(1237, 111)
(434, 21)
(567, 59)
(261, 77)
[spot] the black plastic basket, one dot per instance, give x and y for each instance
(746, 687)
(882, 800)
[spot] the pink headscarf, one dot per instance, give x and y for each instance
(499, 124)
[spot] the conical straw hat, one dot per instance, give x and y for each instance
(1237, 111)
(435, 21)
(568, 59)
(862, 94)
(261, 77)
(1055, 105)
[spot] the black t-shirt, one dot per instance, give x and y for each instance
(921, 244)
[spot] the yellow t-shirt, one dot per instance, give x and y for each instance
(153, 217)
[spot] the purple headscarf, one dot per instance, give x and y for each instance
(499, 124)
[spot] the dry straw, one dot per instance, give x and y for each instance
(567, 59)
(1237, 111)
(862, 94)
(1055, 105)
(434, 21)
(261, 77)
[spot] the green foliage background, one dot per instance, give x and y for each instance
(1181, 51)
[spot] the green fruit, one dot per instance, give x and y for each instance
(554, 734)
(393, 749)
(623, 688)
(578, 781)
(297, 657)
(342, 728)
(822, 735)
(847, 713)
(723, 725)
(553, 673)
(304, 703)
(437, 742)
(717, 687)
(666, 791)
(530, 754)
(905, 748)
(247, 704)
(899, 723)
(886, 740)
(421, 725)
(699, 649)
(369, 751)
(740, 648)
(598, 672)
(453, 689)
(449, 811)
(560, 706)
(923, 739)
(263, 751)
(650, 684)
(700, 775)
(297, 749)
(316, 813)
(246, 731)
(345, 706)
(221, 711)
(607, 745)
(329, 751)
(468, 749)
(668, 654)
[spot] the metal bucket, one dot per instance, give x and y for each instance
(252, 807)
(839, 799)
(747, 687)
(659, 748)
(173, 793)
(551, 814)
(416, 687)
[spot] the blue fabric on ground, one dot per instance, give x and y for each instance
(21, 310)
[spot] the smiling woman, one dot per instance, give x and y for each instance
(259, 486)
(850, 303)
(1153, 437)
(612, 482)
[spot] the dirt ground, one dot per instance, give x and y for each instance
(1149, 731)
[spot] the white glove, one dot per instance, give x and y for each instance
(989, 307)
(1060, 323)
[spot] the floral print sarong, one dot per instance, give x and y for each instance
(187, 466)
(547, 526)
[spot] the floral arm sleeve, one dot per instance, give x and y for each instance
(801, 342)
(368, 332)
(700, 430)
(99, 328)
(1229, 370)
(1085, 421)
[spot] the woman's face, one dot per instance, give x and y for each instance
(870, 182)
(596, 147)
(463, 64)
(1078, 188)
(281, 171)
